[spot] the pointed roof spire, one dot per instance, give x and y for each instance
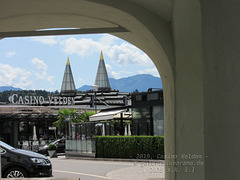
(68, 86)
(68, 62)
(102, 82)
(101, 56)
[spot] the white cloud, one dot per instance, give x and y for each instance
(82, 47)
(153, 71)
(108, 40)
(127, 72)
(50, 79)
(10, 76)
(124, 54)
(42, 67)
(127, 54)
(85, 46)
(49, 40)
(111, 73)
(10, 53)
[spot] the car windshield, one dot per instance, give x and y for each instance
(4, 145)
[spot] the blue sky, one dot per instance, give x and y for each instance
(39, 62)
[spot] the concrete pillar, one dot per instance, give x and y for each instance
(187, 163)
(207, 43)
(221, 67)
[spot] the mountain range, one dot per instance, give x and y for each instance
(140, 82)
(9, 88)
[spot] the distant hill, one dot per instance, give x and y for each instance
(141, 82)
(9, 88)
(85, 88)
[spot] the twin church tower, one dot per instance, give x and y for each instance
(101, 82)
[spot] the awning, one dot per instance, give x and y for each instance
(106, 115)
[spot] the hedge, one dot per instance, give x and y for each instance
(130, 147)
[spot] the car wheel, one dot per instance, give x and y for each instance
(15, 172)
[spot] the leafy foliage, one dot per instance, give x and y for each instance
(62, 115)
(71, 113)
(85, 116)
(52, 147)
(134, 147)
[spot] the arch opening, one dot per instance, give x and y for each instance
(140, 33)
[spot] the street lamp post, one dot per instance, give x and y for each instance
(95, 104)
(95, 87)
(67, 120)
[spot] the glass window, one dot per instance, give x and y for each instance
(138, 97)
(153, 97)
(23, 131)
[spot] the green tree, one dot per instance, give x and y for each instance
(73, 118)
(56, 92)
(84, 117)
(62, 115)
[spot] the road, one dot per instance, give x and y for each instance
(100, 170)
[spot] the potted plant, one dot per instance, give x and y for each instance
(52, 150)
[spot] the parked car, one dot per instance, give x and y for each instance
(18, 163)
(60, 147)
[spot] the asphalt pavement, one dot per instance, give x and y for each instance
(95, 169)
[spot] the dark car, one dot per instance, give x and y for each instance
(18, 163)
(60, 147)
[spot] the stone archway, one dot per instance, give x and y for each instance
(159, 37)
(153, 37)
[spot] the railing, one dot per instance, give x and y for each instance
(83, 145)
(31, 145)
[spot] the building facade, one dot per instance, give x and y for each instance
(147, 113)
(27, 120)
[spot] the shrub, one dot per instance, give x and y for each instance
(52, 147)
(131, 147)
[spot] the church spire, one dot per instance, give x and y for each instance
(68, 86)
(102, 82)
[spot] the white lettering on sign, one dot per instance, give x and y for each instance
(40, 100)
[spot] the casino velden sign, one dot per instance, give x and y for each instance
(40, 100)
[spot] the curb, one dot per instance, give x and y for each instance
(114, 159)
